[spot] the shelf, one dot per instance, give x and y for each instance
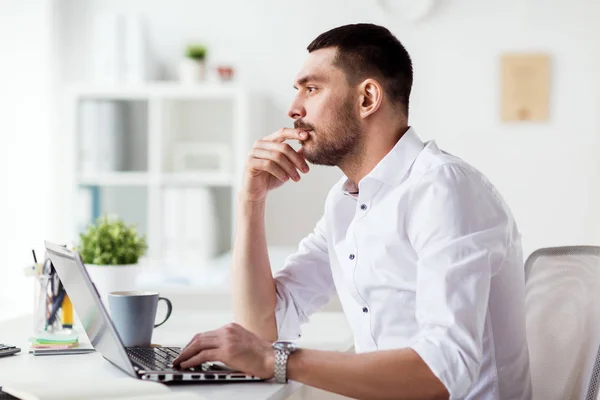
(155, 119)
(114, 179)
(195, 178)
(164, 90)
(143, 179)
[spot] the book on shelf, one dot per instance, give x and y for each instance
(190, 225)
(101, 136)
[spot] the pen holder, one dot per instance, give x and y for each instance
(43, 305)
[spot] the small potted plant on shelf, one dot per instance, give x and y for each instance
(111, 250)
(193, 65)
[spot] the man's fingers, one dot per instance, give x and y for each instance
(285, 134)
(204, 334)
(295, 157)
(277, 158)
(258, 164)
(203, 356)
(197, 345)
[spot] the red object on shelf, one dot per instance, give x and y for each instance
(225, 72)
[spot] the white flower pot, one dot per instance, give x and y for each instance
(113, 278)
(191, 71)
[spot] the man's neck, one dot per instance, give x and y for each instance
(375, 146)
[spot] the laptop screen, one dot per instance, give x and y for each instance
(88, 306)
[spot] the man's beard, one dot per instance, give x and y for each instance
(333, 144)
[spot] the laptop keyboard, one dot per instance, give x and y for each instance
(154, 358)
(7, 350)
(161, 359)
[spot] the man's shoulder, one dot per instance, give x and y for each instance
(454, 176)
(433, 161)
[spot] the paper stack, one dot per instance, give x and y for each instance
(48, 343)
(48, 340)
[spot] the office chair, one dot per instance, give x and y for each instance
(563, 322)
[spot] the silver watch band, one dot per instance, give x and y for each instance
(281, 358)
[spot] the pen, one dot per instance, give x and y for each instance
(56, 307)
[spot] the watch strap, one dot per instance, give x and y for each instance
(281, 358)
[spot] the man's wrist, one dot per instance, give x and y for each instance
(246, 204)
(283, 349)
(294, 364)
(270, 362)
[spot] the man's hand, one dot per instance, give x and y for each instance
(234, 346)
(271, 163)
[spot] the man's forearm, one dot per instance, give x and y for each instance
(389, 374)
(252, 280)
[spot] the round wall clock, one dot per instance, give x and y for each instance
(410, 10)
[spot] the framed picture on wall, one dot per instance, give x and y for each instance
(525, 87)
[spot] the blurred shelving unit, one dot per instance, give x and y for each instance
(165, 156)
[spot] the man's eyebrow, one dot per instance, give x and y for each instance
(306, 78)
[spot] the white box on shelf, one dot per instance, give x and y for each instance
(106, 51)
(172, 222)
(120, 51)
(192, 156)
(110, 136)
(137, 62)
(173, 214)
(101, 138)
(88, 149)
(85, 208)
(201, 229)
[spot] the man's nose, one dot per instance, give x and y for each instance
(296, 111)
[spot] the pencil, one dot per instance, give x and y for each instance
(67, 313)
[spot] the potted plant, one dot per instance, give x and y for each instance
(193, 65)
(111, 250)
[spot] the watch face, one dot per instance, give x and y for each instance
(285, 346)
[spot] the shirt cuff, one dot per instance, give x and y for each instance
(446, 364)
(287, 316)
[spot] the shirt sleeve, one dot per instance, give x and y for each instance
(304, 285)
(459, 229)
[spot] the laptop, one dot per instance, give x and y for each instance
(148, 363)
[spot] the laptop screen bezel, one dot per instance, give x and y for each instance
(54, 250)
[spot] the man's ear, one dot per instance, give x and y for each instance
(370, 95)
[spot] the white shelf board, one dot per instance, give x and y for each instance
(164, 90)
(114, 179)
(197, 178)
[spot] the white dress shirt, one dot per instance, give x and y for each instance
(423, 254)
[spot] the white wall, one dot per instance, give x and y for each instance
(26, 163)
(546, 171)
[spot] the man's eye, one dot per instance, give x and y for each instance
(311, 89)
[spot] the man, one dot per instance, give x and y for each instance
(420, 248)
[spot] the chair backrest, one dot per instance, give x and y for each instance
(563, 322)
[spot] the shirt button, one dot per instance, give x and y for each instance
(351, 256)
(363, 207)
(365, 310)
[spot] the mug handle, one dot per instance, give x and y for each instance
(169, 309)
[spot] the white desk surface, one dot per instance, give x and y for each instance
(326, 331)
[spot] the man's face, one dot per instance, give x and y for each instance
(325, 107)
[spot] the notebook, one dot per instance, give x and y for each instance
(95, 389)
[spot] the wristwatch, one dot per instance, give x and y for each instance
(282, 351)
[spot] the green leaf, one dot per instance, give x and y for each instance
(111, 241)
(196, 51)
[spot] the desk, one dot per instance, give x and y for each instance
(326, 331)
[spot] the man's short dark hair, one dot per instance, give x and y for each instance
(368, 50)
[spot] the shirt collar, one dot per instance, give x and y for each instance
(395, 164)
